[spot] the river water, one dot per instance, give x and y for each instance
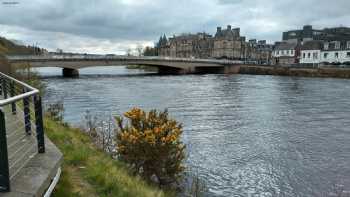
(246, 135)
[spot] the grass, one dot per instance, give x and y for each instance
(88, 171)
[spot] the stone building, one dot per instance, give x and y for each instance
(163, 47)
(225, 44)
(228, 43)
(263, 52)
(191, 46)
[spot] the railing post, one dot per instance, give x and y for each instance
(26, 111)
(12, 93)
(39, 124)
(4, 88)
(4, 164)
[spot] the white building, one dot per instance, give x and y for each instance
(285, 53)
(334, 52)
(311, 52)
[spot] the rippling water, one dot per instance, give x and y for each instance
(246, 135)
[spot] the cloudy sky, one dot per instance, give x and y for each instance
(113, 26)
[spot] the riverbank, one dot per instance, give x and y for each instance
(294, 71)
(87, 171)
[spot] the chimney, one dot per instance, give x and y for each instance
(228, 27)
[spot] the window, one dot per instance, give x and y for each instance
(348, 44)
(278, 52)
(315, 55)
(309, 55)
(287, 52)
(336, 55)
(348, 54)
(337, 45)
(325, 55)
(292, 52)
(282, 52)
(326, 46)
(304, 55)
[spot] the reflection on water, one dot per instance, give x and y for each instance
(246, 135)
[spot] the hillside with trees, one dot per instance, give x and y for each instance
(8, 47)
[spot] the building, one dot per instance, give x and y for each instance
(163, 46)
(228, 43)
(310, 52)
(326, 52)
(191, 46)
(336, 52)
(225, 44)
(264, 52)
(285, 53)
(308, 33)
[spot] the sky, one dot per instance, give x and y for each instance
(113, 26)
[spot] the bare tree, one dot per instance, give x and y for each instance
(139, 49)
(128, 52)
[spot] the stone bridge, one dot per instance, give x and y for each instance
(165, 65)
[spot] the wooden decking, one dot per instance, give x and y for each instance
(31, 173)
(21, 146)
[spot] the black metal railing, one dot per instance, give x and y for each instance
(20, 112)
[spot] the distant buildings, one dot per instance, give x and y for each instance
(326, 52)
(312, 46)
(303, 46)
(225, 44)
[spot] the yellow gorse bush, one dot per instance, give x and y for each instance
(151, 143)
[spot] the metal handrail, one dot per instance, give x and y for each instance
(9, 90)
(32, 91)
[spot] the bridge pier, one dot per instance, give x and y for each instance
(171, 70)
(232, 69)
(69, 72)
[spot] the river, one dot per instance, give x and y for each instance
(246, 135)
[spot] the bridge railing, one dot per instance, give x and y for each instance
(20, 107)
(65, 57)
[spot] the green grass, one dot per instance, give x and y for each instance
(88, 171)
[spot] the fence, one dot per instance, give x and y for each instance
(21, 127)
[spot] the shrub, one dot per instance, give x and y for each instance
(150, 143)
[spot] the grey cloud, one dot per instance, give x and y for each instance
(144, 20)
